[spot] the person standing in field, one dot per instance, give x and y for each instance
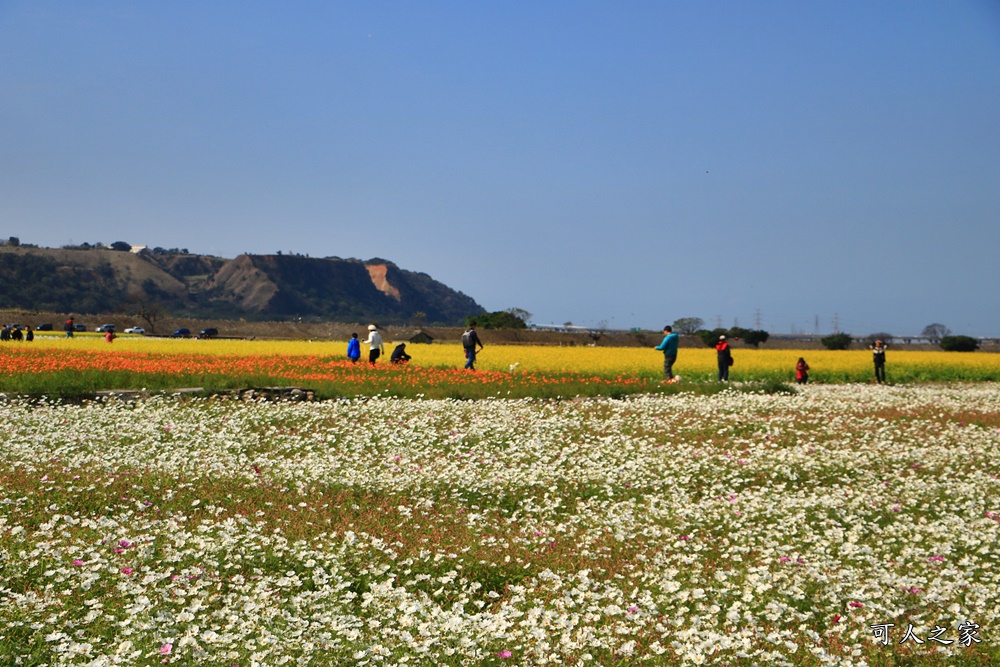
(29, 334)
(878, 356)
(375, 345)
(470, 339)
(109, 336)
(669, 348)
(725, 358)
(68, 327)
(354, 348)
(801, 371)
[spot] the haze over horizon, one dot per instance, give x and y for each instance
(775, 164)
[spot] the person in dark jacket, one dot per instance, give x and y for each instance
(725, 356)
(878, 356)
(399, 355)
(470, 339)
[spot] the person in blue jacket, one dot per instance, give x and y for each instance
(354, 348)
(669, 348)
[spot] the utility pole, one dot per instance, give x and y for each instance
(756, 319)
(836, 323)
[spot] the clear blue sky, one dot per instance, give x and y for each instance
(779, 163)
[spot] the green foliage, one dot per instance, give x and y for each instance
(752, 337)
(688, 326)
(710, 338)
(837, 341)
(755, 337)
(499, 320)
(959, 344)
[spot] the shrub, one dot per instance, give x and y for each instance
(710, 338)
(959, 344)
(837, 341)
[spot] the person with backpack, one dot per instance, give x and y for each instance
(470, 339)
(725, 355)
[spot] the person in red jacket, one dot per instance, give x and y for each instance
(802, 371)
(725, 358)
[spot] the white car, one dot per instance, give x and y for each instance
(135, 330)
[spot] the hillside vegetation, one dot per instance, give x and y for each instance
(254, 287)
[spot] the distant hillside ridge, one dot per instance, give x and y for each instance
(272, 287)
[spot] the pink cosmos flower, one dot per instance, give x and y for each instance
(127, 570)
(504, 654)
(855, 604)
(166, 649)
(77, 563)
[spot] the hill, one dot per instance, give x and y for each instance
(257, 287)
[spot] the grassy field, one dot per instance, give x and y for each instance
(726, 529)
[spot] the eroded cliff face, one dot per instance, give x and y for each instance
(291, 285)
(381, 282)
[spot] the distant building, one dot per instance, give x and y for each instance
(418, 336)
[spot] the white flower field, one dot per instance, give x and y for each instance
(840, 525)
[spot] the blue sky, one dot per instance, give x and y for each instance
(779, 164)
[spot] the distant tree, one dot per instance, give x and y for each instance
(752, 337)
(688, 326)
(14, 241)
(935, 332)
(121, 246)
(881, 335)
(837, 341)
(418, 318)
(521, 314)
(498, 320)
(755, 337)
(959, 344)
(147, 310)
(710, 338)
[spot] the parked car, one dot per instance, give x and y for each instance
(135, 330)
(79, 327)
(47, 326)
(183, 332)
(104, 328)
(210, 332)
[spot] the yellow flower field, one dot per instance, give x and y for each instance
(692, 363)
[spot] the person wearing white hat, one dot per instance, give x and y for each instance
(725, 358)
(375, 345)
